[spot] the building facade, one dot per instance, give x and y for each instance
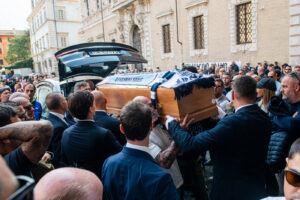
(172, 32)
(5, 37)
(54, 24)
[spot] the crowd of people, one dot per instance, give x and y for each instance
(82, 152)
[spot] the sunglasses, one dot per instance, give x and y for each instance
(292, 177)
(218, 86)
(25, 191)
(28, 107)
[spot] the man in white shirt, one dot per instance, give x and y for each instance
(57, 105)
(133, 173)
(161, 146)
(221, 99)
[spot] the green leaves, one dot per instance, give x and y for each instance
(18, 49)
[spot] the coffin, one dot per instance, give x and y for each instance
(198, 102)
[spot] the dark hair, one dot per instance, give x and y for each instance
(80, 104)
(12, 103)
(219, 80)
(4, 89)
(53, 101)
(190, 69)
(244, 87)
(31, 85)
(228, 74)
(6, 112)
(136, 119)
(295, 148)
(277, 72)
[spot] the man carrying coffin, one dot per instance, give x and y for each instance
(240, 144)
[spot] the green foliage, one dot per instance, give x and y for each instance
(18, 49)
(22, 64)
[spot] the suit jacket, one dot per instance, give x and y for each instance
(104, 120)
(133, 174)
(69, 118)
(240, 143)
(86, 145)
(58, 128)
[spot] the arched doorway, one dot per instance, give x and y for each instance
(137, 43)
(136, 38)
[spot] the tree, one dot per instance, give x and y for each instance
(18, 49)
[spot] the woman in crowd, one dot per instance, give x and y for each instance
(266, 88)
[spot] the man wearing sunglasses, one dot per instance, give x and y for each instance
(291, 174)
(286, 124)
(30, 90)
(27, 107)
(221, 99)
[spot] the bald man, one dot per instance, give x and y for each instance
(104, 120)
(69, 184)
(18, 94)
(27, 106)
(30, 90)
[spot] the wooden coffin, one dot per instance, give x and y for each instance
(198, 105)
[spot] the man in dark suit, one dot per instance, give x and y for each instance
(57, 105)
(133, 173)
(86, 145)
(104, 120)
(240, 143)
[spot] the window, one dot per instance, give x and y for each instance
(98, 4)
(63, 40)
(1, 62)
(47, 41)
(50, 63)
(0, 51)
(45, 15)
(87, 8)
(198, 32)
(43, 43)
(244, 23)
(113, 40)
(60, 14)
(41, 19)
(45, 65)
(166, 38)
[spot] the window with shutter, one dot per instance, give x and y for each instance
(198, 32)
(166, 38)
(244, 23)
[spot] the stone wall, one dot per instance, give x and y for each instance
(294, 48)
(274, 25)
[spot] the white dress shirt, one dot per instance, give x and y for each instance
(243, 106)
(138, 147)
(60, 116)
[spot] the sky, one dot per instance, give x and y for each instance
(14, 13)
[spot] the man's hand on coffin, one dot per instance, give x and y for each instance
(169, 119)
(186, 122)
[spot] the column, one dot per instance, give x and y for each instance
(294, 46)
